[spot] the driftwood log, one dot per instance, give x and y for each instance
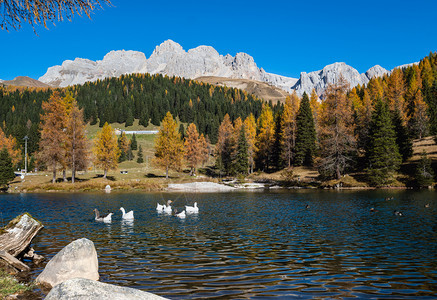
(16, 238)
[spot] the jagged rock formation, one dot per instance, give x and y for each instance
(319, 80)
(171, 59)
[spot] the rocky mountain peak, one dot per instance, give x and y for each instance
(169, 58)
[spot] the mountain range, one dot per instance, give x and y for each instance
(169, 58)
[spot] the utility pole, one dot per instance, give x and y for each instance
(25, 154)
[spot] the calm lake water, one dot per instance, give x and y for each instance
(251, 245)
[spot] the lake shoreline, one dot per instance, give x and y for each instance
(191, 187)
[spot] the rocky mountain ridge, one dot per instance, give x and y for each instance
(169, 58)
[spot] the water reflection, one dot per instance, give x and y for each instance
(250, 245)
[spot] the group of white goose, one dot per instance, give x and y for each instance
(166, 208)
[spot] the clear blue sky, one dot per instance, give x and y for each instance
(284, 37)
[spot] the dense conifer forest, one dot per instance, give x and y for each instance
(137, 96)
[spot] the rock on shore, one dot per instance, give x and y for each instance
(77, 259)
(80, 288)
(202, 187)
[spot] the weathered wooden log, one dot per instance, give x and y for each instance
(13, 261)
(18, 234)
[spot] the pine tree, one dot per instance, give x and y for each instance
(106, 150)
(133, 142)
(337, 138)
(182, 131)
(225, 145)
(382, 153)
(363, 115)
(424, 172)
(53, 136)
(6, 168)
(140, 158)
(130, 155)
(306, 134)
(123, 145)
(169, 148)
(242, 155)
(76, 144)
(403, 139)
(129, 118)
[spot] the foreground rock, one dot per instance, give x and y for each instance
(77, 259)
(203, 187)
(80, 288)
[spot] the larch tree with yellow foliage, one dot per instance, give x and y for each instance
(337, 137)
(77, 148)
(250, 129)
(106, 151)
(169, 148)
(10, 143)
(265, 137)
(53, 135)
(195, 148)
(289, 128)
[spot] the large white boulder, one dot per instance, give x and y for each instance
(77, 259)
(80, 288)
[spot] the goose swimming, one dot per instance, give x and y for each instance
(127, 216)
(106, 218)
(192, 209)
(167, 209)
(180, 215)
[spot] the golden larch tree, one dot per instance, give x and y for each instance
(396, 94)
(420, 118)
(106, 151)
(250, 128)
(194, 148)
(265, 138)
(289, 128)
(53, 134)
(337, 138)
(169, 148)
(10, 143)
(77, 148)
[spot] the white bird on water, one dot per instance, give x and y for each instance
(192, 209)
(127, 216)
(107, 218)
(180, 215)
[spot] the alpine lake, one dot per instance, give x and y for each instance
(306, 244)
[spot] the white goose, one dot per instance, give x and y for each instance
(159, 207)
(107, 218)
(127, 216)
(192, 209)
(167, 209)
(180, 215)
